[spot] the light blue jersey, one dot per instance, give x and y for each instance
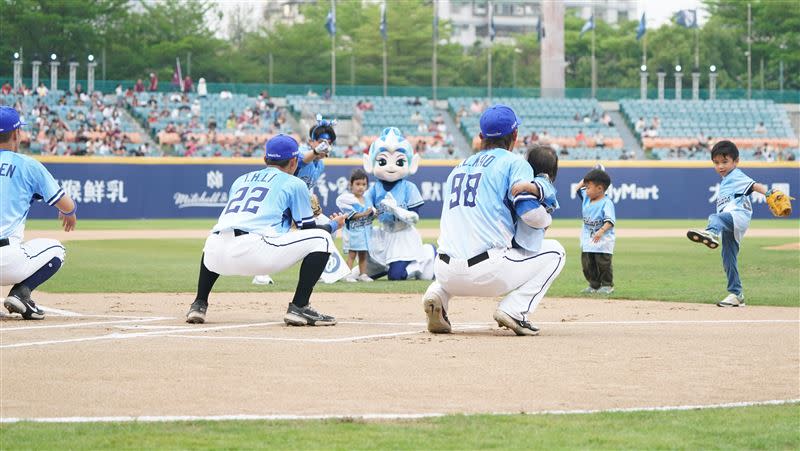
(478, 209)
(530, 238)
(22, 181)
(266, 202)
(309, 173)
(734, 198)
(356, 232)
(595, 214)
(404, 192)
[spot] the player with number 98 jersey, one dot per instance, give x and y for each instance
(477, 214)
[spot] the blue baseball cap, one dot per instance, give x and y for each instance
(498, 120)
(282, 147)
(9, 119)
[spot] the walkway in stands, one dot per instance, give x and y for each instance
(629, 141)
(460, 143)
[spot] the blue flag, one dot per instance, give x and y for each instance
(330, 23)
(539, 30)
(492, 31)
(686, 18)
(383, 21)
(642, 28)
(589, 25)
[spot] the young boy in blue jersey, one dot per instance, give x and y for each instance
(597, 236)
(544, 162)
(730, 222)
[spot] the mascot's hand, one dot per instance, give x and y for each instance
(409, 217)
(389, 202)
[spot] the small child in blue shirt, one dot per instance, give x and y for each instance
(358, 225)
(597, 236)
(730, 222)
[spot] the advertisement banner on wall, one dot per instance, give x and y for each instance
(131, 190)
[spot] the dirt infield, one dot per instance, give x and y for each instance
(132, 354)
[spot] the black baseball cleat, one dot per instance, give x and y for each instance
(306, 316)
(706, 237)
(19, 301)
(519, 327)
(197, 312)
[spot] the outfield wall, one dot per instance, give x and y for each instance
(193, 188)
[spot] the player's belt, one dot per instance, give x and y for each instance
(470, 261)
(4, 242)
(236, 232)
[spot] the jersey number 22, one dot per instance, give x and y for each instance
(257, 195)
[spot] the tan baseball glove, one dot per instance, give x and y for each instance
(779, 203)
(315, 207)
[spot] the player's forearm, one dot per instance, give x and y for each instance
(308, 157)
(65, 205)
(538, 218)
(760, 188)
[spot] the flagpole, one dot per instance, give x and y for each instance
(749, 52)
(333, 51)
(696, 46)
(594, 63)
(644, 49)
(384, 64)
(435, 38)
(491, 43)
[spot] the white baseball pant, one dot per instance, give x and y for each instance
(253, 254)
(522, 276)
(19, 260)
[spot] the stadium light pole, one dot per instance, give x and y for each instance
(749, 51)
(73, 71)
(54, 72)
(712, 82)
(696, 83)
(435, 33)
(90, 74)
(35, 66)
(661, 74)
(517, 51)
(17, 70)
(678, 82)
(643, 82)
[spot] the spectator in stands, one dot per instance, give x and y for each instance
(639, 126)
(476, 107)
(327, 94)
(606, 119)
(656, 123)
(415, 102)
(544, 138)
(580, 139)
(599, 139)
(176, 81)
(350, 152)
(6, 89)
(42, 90)
(118, 90)
(760, 129)
(230, 123)
(139, 86)
(577, 117)
(153, 82)
(416, 117)
(196, 108)
(462, 113)
(188, 85)
(702, 141)
(202, 89)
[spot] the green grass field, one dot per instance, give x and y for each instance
(751, 428)
(669, 269)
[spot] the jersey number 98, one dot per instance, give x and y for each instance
(468, 192)
(257, 195)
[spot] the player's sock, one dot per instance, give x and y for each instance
(310, 271)
(205, 281)
(397, 270)
(42, 274)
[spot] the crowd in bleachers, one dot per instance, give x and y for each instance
(576, 128)
(688, 129)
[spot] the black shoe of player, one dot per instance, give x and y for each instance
(19, 301)
(306, 316)
(197, 312)
(519, 327)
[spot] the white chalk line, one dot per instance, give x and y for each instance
(300, 340)
(385, 416)
(120, 336)
(87, 324)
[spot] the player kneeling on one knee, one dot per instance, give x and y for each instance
(252, 235)
(26, 265)
(479, 252)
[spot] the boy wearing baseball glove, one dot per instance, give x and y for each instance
(734, 211)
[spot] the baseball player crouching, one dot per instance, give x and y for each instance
(252, 235)
(26, 265)
(476, 256)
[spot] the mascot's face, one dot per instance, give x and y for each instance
(391, 157)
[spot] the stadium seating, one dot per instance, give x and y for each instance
(682, 121)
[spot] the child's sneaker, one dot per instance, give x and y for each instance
(365, 278)
(732, 300)
(350, 278)
(605, 290)
(588, 290)
(706, 237)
